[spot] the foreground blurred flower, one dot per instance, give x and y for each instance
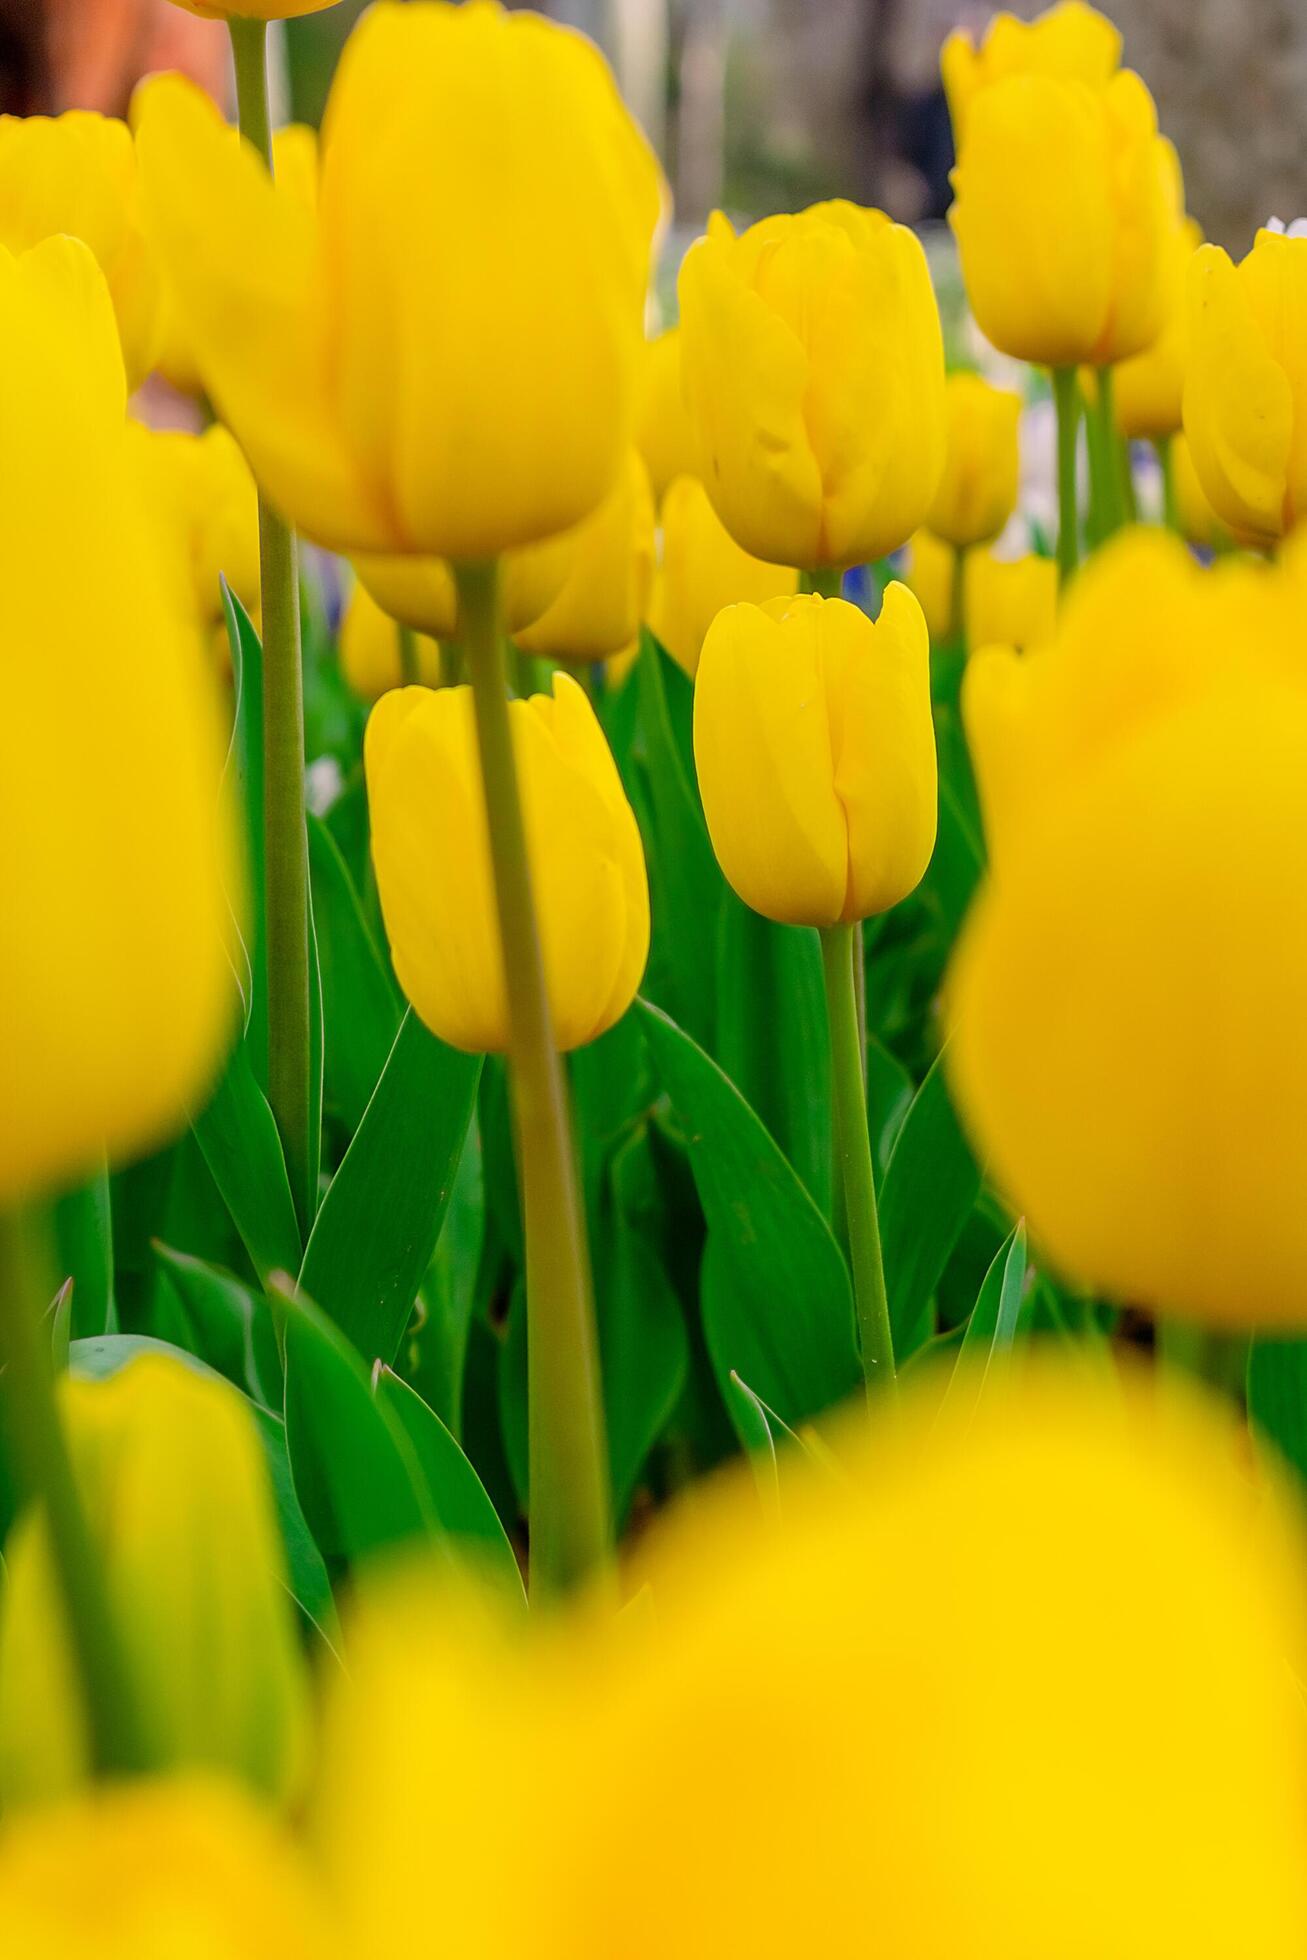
(508, 152)
(599, 607)
(1008, 601)
(370, 653)
(115, 985)
(816, 755)
(176, 1489)
(1130, 1769)
(664, 434)
(157, 1871)
(702, 570)
(203, 496)
(76, 173)
(814, 377)
(978, 490)
(1128, 988)
(432, 856)
(1245, 395)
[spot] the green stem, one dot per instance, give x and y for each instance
(1066, 397)
(1105, 455)
(568, 1453)
(827, 581)
(410, 673)
(39, 1453)
(957, 628)
(1165, 447)
(853, 1146)
(285, 843)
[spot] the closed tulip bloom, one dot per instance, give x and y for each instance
(978, 490)
(928, 573)
(1125, 1052)
(1008, 601)
(178, 1497)
(253, 9)
(421, 591)
(432, 855)
(664, 434)
(815, 751)
(116, 987)
(813, 370)
(1245, 396)
(1148, 389)
(155, 1870)
(460, 399)
(701, 571)
(1198, 521)
(76, 174)
(370, 651)
(203, 496)
(599, 607)
(1070, 42)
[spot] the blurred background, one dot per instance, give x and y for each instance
(763, 105)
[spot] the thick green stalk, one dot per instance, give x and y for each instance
(853, 1147)
(1165, 447)
(285, 841)
(1066, 397)
(826, 581)
(410, 673)
(1106, 455)
(39, 1455)
(568, 1452)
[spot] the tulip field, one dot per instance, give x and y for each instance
(653, 1187)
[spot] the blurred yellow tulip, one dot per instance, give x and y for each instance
(813, 371)
(178, 1497)
(599, 607)
(816, 754)
(252, 9)
(203, 496)
(1125, 1778)
(76, 174)
(370, 654)
(432, 854)
(1198, 521)
(1148, 389)
(1245, 394)
(120, 870)
(1008, 601)
(1070, 43)
(157, 1870)
(421, 593)
(929, 572)
(702, 569)
(978, 490)
(664, 434)
(1127, 989)
(457, 400)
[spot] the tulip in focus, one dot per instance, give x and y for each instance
(177, 1494)
(1008, 602)
(370, 651)
(120, 868)
(978, 490)
(1127, 992)
(432, 855)
(701, 571)
(599, 607)
(206, 504)
(664, 434)
(813, 371)
(509, 154)
(815, 752)
(1245, 396)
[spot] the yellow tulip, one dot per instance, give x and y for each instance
(702, 570)
(203, 495)
(116, 990)
(370, 651)
(816, 754)
(1070, 43)
(1124, 1778)
(978, 490)
(432, 855)
(253, 9)
(813, 370)
(664, 434)
(1245, 395)
(1127, 988)
(1008, 602)
(176, 1488)
(76, 173)
(1148, 389)
(177, 1866)
(455, 397)
(1198, 521)
(421, 593)
(929, 572)
(1064, 211)
(601, 603)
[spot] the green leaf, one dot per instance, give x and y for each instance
(890, 1090)
(377, 1227)
(307, 1203)
(238, 1135)
(83, 1224)
(61, 1325)
(930, 1186)
(992, 1327)
(1277, 1396)
(755, 1432)
(230, 1327)
(455, 1493)
(245, 772)
(644, 1351)
(775, 1294)
(361, 1011)
(436, 1357)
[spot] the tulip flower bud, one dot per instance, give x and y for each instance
(1070, 42)
(929, 571)
(203, 496)
(598, 609)
(177, 1494)
(814, 376)
(1008, 602)
(76, 174)
(664, 434)
(252, 9)
(978, 490)
(815, 750)
(703, 570)
(119, 867)
(370, 651)
(1245, 394)
(432, 854)
(1198, 521)
(509, 154)
(1121, 1007)
(420, 592)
